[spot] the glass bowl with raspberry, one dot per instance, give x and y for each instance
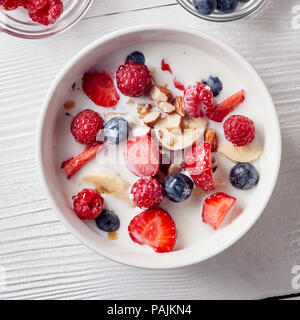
(222, 10)
(35, 19)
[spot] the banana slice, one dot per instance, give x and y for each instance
(176, 133)
(110, 183)
(240, 154)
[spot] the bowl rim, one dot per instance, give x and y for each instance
(41, 124)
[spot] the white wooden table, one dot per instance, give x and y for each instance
(42, 260)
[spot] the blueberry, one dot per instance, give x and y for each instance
(215, 84)
(178, 187)
(244, 176)
(116, 130)
(206, 7)
(108, 221)
(137, 57)
(227, 6)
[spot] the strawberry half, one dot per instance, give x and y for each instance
(100, 88)
(215, 208)
(227, 106)
(74, 164)
(155, 228)
(142, 156)
(199, 165)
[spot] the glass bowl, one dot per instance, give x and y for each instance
(17, 22)
(243, 10)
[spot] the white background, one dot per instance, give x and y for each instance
(43, 260)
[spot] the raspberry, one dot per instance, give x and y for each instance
(85, 126)
(35, 5)
(147, 193)
(133, 79)
(239, 130)
(11, 4)
(88, 204)
(48, 14)
(198, 100)
(25, 3)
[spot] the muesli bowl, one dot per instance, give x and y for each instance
(203, 244)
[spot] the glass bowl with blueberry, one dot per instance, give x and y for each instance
(222, 10)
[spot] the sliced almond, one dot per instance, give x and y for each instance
(174, 122)
(132, 119)
(166, 107)
(182, 139)
(211, 137)
(141, 131)
(178, 104)
(151, 118)
(160, 93)
(185, 131)
(143, 109)
(166, 137)
(107, 116)
(110, 183)
(195, 123)
(240, 154)
(129, 117)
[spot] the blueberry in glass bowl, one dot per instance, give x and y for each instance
(222, 10)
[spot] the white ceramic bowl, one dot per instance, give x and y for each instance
(222, 239)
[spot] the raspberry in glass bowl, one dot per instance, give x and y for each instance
(35, 19)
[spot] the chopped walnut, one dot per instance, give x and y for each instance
(143, 109)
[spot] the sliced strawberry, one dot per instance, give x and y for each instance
(165, 66)
(199, 165)
(100, 88)
(178, 85)
(74, 164)
(204, 181)
(215, 208)
(155, 228)
(227, 106)
(142, 156)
